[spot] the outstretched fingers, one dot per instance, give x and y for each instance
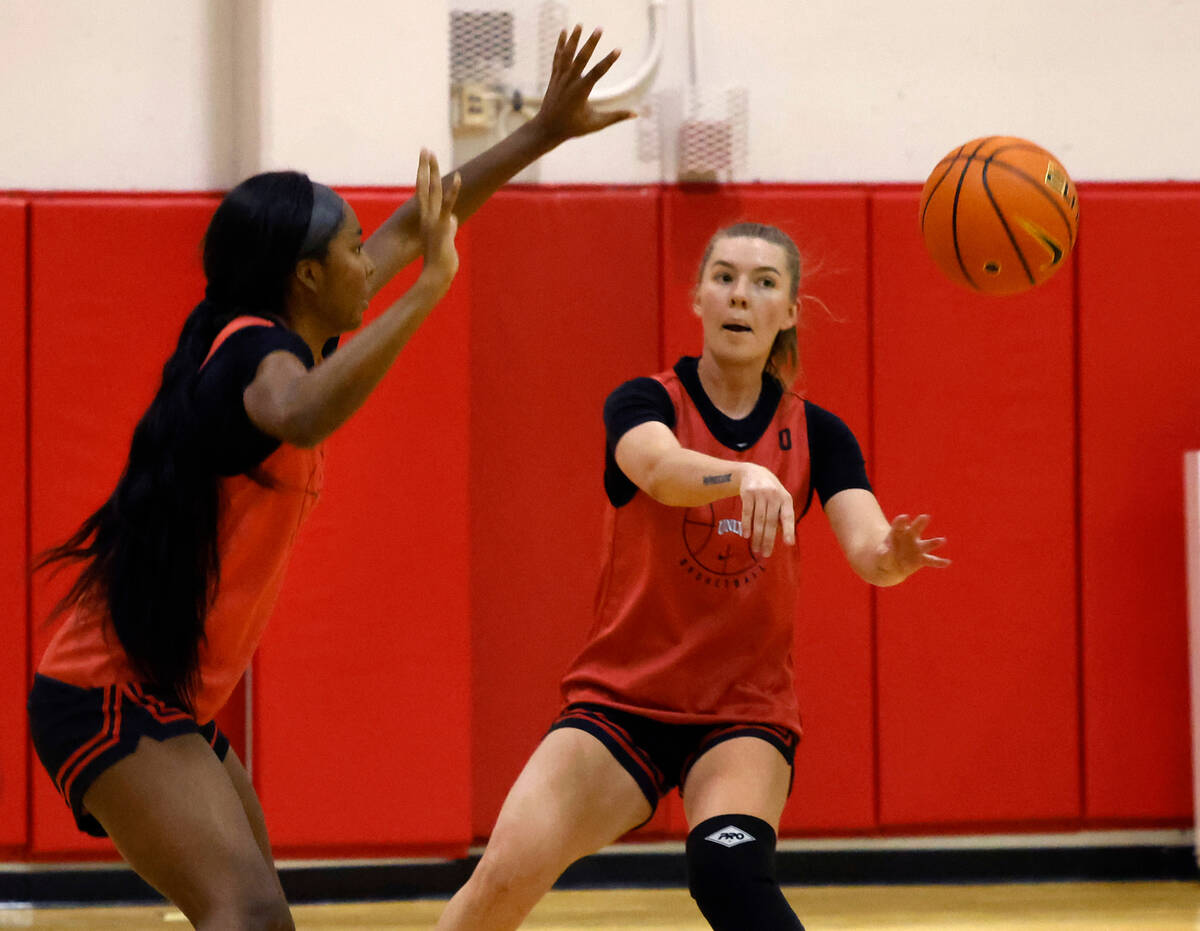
(558, 51)
(600, 69)
(435, 185)
(423, 182)
(569, 46)
(429, 188)
(911, 547)
(434, 201)
(927, 547)
(565, 110)
(585, 53)
(438, 225)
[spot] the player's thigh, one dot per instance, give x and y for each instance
(244, 787)
(174, 814)
(743, 775)
(571, 799)
(239, 778)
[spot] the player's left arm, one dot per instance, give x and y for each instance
(879, 552)
(565, 113)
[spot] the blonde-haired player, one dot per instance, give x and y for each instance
(686, 676)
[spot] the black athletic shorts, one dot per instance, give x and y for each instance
(659, 755)
(78, 733)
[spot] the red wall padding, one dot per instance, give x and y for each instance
(834, 785)
(1140, 410)
(397, 694)
(361, 735)
(564, 297)
(113, 280)
(974, 423)
(14, 748)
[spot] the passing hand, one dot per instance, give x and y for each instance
(767, 509)
(565, 111)
(903, 551)
(438, 224)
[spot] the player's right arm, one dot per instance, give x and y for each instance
(652, 458)
(564, 113)
(303, 406)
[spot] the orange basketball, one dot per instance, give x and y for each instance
(999, 215)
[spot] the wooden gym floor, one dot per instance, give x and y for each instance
(1132, 906)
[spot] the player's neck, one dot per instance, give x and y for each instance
(732, 387)
(311, 331)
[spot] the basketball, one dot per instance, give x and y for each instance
(999, 215)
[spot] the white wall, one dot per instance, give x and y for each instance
(352, 97)
(113, 94)
(194, 94)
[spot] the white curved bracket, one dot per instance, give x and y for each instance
(602, 95)
(657, 10)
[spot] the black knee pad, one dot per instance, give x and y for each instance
(731, 875)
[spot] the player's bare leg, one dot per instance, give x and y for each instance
(744, 775)
(174, 814)
(571, 799)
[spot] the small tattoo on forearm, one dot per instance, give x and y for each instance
(718, 479)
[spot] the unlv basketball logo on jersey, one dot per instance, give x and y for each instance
(717, 553)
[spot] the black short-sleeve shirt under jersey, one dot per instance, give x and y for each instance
(234, 443)
(835, 456)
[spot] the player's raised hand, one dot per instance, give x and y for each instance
(903, 551)
(438, 224)
(565, 111)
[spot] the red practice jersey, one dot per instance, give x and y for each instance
(690, 626)
(260, 517)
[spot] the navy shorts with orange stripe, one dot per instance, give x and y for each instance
(659, 755)
(80, 732)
